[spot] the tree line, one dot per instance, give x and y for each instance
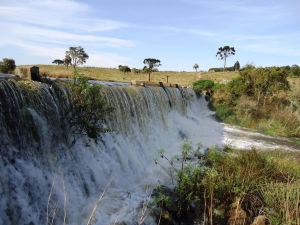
(292, 71)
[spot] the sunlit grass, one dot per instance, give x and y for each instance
(113, 74)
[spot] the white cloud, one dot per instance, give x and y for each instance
(48, 28)
(42, 35)
(59, 14)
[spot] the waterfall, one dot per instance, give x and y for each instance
(43, 177)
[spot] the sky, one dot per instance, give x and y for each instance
(179, 33)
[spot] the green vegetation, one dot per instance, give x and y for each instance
(260, 98)
(7, 65)
(113, 74)
(84, 108)
(224, 53)
(237, 65)
(124, 69)
(203, 85)
(152, 63)
(76, 56)
(196, 66)
(229, 185)
(58, 62)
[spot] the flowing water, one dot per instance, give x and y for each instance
(43, 178)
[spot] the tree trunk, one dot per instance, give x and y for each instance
(149, 76)
(224, 65)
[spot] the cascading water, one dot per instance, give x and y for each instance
(44, 179)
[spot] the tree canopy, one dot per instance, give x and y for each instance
(152, 63)
(124, 69)
(7, 65)
(76, 55)
(224, 53)
(196, 66)
(237, 65)
(67, 61)
(58, 61)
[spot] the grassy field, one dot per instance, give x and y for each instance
(112, 74)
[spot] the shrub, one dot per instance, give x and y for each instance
(7, 65)
(203, 85)
(219, 182)
(223, 111)
(84, 108)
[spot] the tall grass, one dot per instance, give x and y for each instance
(238, 186)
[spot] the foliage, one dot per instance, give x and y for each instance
(223, 111)
(86, 109)
(201, 85)
(196, 66)
(136, 71)
(259, 83)
(124, 69)
(204, 84)
(7, 65)
(77, 56)
(58, 61)
(259, 98)
(67, 61)
(152, 63)
(214, 181)
(237, 65)
(282, 201)
(248, 65)
(224, 53)
(294, 71)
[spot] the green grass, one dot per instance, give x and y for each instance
(260, 182)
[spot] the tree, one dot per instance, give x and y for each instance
(152, 63)
(58, 62)
(7, 65)
(203, 85)
(85, 108)
(225, 52)
(135, 70)
(77, 56)
(67, 61)
(237, 65)
(196, 66)
(124, 69)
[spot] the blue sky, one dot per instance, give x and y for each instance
(180, 33)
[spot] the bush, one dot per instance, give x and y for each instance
(203, 85)
(223, 111)
(7, 65)
(220, 182)
(84, 108)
